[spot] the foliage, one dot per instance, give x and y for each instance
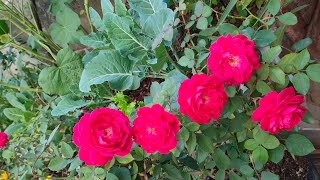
(141, 40)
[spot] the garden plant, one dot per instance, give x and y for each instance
(152, 89)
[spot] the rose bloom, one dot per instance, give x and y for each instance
(102, 134)
(279, 111)
(202, 98)
(3, 139)
(233, 59)
(154, 129)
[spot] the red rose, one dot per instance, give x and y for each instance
(102, 134)
(278, 112)
(202, 98)
(233, 59)
(3, 139)
(154, 129)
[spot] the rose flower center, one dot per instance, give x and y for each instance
(151, 131)
(109, 132)
(234, 61)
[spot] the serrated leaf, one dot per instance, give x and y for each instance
(125, 159)
(68, 104)
(271, 142)
(172, 171)
(108, 66)
(94, 40)
(276, 155)
(221, 159)
(202, 23)
(302, 59)
(299, 145)
(263, 38)
(288, 18)
(313, 72)
(205, 143)
(59, 80)
(269, 176)
(65, 29)
(66, 150)
(260, 154)
(302, 44)
(263, 87)
(277, 75)
(301, 83)
(251, 144)
(271, 54)
(246, 170)
(191, 143)
(263, 72)
(274, 6)
(14, 101)
(125, 40)
(57, 164)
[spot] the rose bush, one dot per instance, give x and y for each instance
(153, 90)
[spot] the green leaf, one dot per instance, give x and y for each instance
(96, 20)
(158, 26)
(308, 118)
(263, 87)
(172, 171)
(75, 163)
(14, 101)
(125, 159)
(231, 91)
(191, 143)
(206, 11)
(271, 54)
(276, 155)
(264, 38)
(52, 134)
(246, 170)
(269, 176)
(271, 142)
(263, 72)
(162, 58)
(288, 18)
(259, 135)
(221, 159)
(94, 40)
(60, 79)
(202, 23)
(125, 40)
(313, 72)
(205, 143)
(57, 164)
(301, 83)
(302, 59)
(198, 8)
(191, 126)
(65, 29)
(183, 134)
(68, 104)
(120, 8)
(302, 44)
(14, 114)
(108, 66)
(111, 176)
(277, 75)
(260, 154)
(251, 144)
(299, 145)
(227, 28)
(220, 175)
(146, 8)
(121, 172)
(274, 6)
(12, 128)
(286, 63)
(66, 150)
(4, 28)
(234, 176)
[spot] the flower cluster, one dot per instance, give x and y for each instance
(105, 133)
(3, 139)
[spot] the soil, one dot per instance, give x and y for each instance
(143, 90)
(289, 168)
